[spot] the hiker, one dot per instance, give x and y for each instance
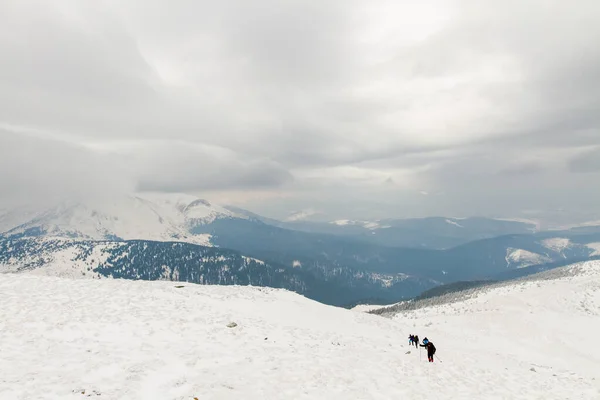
(430, 349)
(416, 339)
(411, 340)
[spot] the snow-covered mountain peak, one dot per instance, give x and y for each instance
(194, 210)
(148, 216)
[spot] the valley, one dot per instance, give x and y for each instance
(184, 238)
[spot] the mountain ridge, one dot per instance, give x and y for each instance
(349, 267)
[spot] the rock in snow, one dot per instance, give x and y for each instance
(150, 340)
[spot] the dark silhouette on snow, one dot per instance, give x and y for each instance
(430, 349)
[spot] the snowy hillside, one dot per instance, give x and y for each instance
(149, 216)
(115, 339)
(548, 250)
(595, 247)
(520, 258)
(186, 262)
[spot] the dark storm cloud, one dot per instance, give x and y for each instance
(323, 100)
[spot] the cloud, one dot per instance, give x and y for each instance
(185, 167)
(588, 162)
(338, 103)
(38, 171)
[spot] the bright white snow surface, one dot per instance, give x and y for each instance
(151, 340)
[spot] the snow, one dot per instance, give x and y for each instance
(366, 307)
(595, 247)
(342, 222)
(300, 215)
(190, 206)
(524, 258)
(60, 257)
(449, 221)
(145, 216)
(388, 280)
(365, 224)
(542, 325)
(254, 259)
(152, 340)
(371, 225)
(557, 244)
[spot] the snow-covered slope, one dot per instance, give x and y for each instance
(454, 222)
(539, 326)
(114, 339)
(595, 247)
(149, 216)
(364, 224)
(557, 244)
(548, 250)
(520, 258)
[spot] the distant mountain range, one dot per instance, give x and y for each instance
(428, 233)
(183, 238)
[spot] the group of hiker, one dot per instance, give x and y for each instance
(414, 340)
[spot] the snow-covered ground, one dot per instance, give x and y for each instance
(114, 339)
(366, 307)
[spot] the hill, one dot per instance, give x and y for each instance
(119, 339)
(185, 262)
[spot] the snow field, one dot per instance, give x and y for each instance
(151, 340)
(543, 330)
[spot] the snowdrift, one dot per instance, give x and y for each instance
(118, 339)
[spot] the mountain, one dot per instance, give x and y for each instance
(436, 233)
(118, 339)
(146, 216)
(479, 259)
(335, 269)
(444, 233)
(185, 262)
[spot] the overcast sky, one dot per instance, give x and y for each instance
(356, 109)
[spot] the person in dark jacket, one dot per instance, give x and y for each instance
(411, 339)
(416, 339)
(430, 349)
